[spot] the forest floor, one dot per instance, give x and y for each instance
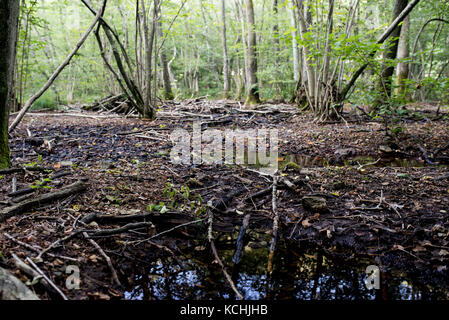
(382, 202)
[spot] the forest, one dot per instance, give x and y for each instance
(224, 150)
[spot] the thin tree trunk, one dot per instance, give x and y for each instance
(241, 15)
(381, 40)
(148, 111)
(309, 69)
(385, 81)
(294, 24)
(168, 94)
(253, 91)
(403, 54)
(226, 72)
(9, 16)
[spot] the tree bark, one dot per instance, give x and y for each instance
(385, 81)
(148, 111)
(253, 90)
(9, 17)
(168, 93)
(294, 24)
(381, 40)
(403, 53)
(309, 69)
(226, 72)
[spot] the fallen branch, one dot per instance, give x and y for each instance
(64, 297)
(125, 228)
(169, 230)
(108, 260)
(26, 205)
(425, 156)
(20, 170)
(240, 238)
(217, 257)
(446, 176)
(275, 227)
(36, 248)
(22, 266)
(41, 184)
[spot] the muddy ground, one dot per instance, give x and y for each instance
(386, 204)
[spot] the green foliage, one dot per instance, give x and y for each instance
(181, 199)
(41, 184)
(192, 44)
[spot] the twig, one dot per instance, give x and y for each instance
(108, 260)
(21, 265)
(36, 248)
(110, 232)
(217, 257)
(167, 231)
(54, 244)
(47, 278)
(361, 166)
(275, 227)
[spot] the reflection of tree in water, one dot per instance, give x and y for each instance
(301, 274)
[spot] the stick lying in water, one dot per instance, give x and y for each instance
(275, 228)
(214, 251)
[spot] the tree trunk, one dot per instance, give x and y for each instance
(9, 17)
(253, 90)
(403, 53)
(390, 53)
(294, 24)
(344, 92)
(226, 73)
(148, 110)
(168, 94)
(309, 69)
(276, 28)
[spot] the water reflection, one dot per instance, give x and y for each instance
(299, 274)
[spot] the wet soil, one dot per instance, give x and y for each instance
(387, 206)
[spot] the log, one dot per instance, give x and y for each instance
(19, 170)
(26, 205)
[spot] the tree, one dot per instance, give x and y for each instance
(402, 69)
(168, 93)
(226, 72)
(390, 53)
(148, 109)
(296, 56)
(9, 17)
(253, 90)
(58, 71)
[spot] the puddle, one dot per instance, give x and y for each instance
(299, 274)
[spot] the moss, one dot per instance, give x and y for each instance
(5, 157)
(292, 166)
(168, 95)
(252, 100)
(253, 97)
